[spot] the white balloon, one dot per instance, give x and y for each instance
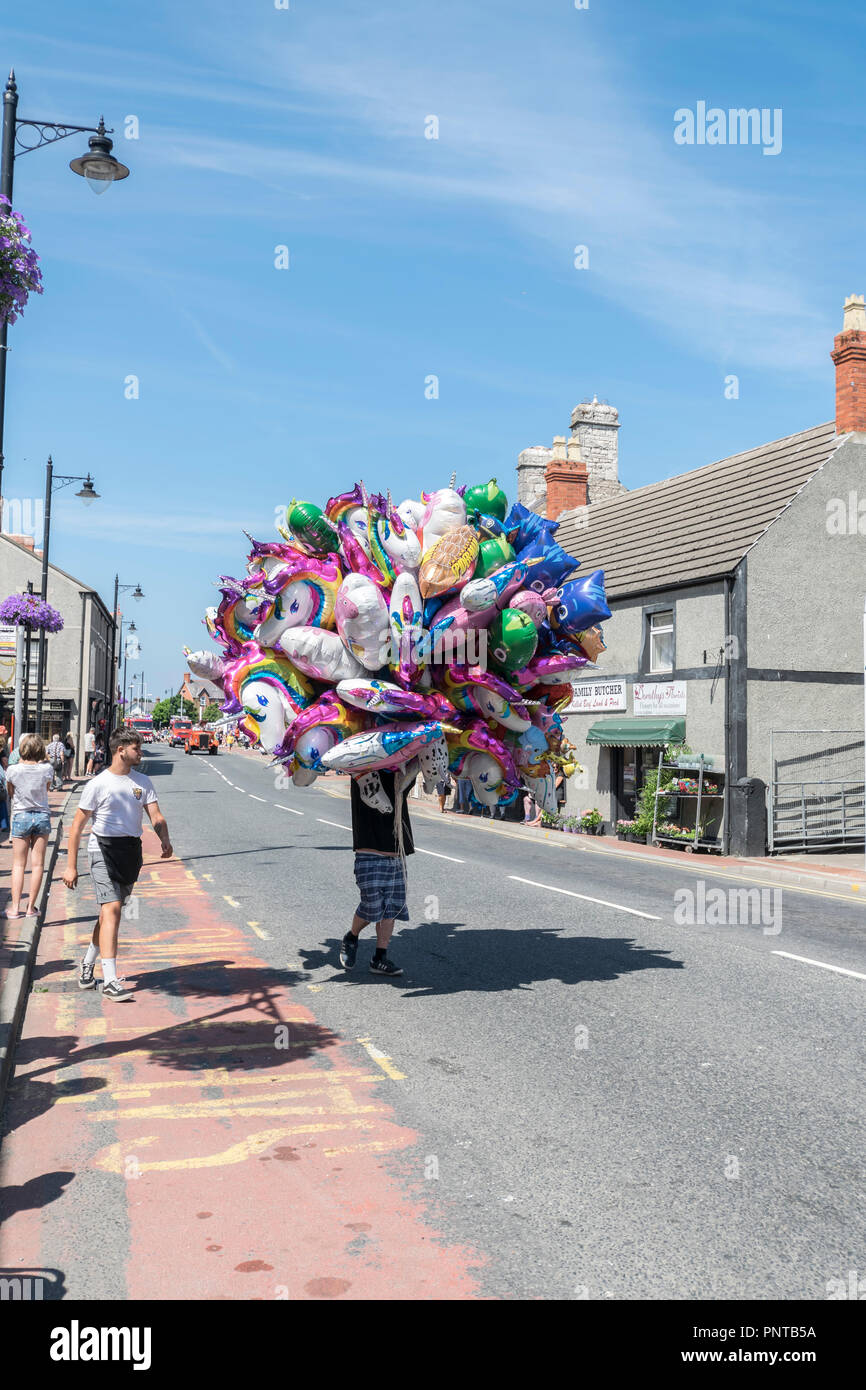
(362, 620)
(411, 512)
(318, 653)
(445, 510)
(373, 793)
(485, 774)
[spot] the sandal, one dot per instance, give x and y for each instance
(12, 915)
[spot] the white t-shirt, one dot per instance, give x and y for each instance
(117, 801)
(89, 742)
(31, 782)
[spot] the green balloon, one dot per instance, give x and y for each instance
(492, 555)
(487, 498)
(511, 639)
(311, 527)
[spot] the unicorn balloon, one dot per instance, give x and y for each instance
(265, 689)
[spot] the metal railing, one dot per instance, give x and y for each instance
(816, 792)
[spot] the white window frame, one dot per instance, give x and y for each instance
(657, 629)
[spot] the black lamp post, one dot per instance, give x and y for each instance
(97, 166)
(53, 483)
(138, 595)
(131, 628)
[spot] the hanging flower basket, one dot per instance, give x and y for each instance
(20, 275)
(29, 610)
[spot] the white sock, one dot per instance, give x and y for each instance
(90, 954)
(109, 970)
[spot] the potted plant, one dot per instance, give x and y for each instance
(590, 821)
(624, 829)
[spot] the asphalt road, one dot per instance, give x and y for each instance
(613, 1102)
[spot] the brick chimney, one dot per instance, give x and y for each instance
(27, 541)
(566, 478)
(849, 355)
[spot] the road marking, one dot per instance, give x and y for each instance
(113, 1160)
(255, 798)
(585, 898)
(259, 931)
(450, 857)
(231, 902)
(228, 783)
(280, 807)
(381, 1059)
(839, 970)
(335, 824)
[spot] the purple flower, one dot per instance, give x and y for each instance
(29, 610)
(20, 275)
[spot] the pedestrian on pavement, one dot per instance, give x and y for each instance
(89, 750)
(99, 755)
(116, 799)
(230, 742)
(4, 800)
(56, 754)
(69, 755)
(28, 782)
(464, 796)
(381, 841)
(443, 790)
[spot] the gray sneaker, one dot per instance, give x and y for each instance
(117, 990)
(86, 979)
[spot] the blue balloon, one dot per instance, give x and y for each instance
(580, 604)
(554, 566)
(528, 525)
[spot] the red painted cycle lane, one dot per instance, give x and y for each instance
(241, 1142)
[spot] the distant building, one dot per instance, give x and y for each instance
(78, 684)
(737, 599)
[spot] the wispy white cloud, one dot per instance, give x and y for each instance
(576, 158)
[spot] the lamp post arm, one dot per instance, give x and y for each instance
(49, 132)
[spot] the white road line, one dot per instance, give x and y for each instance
(450, 857)
(601, 901)
(228, 783)
(281, 807)
(336, 824)
(255, 798)
(839, 970)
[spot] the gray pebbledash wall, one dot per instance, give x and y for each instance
(805, 590)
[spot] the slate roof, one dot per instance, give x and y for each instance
(696, 526)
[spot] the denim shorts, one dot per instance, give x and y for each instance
(27, 823)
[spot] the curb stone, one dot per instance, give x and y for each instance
(15, 988)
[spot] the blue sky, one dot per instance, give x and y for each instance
(261, 127)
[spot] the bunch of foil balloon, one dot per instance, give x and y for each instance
(441, 634)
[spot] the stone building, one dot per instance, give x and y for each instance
(737, 595)
(78, 684)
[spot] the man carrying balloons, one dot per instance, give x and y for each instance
(381, 840)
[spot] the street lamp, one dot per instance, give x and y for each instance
(53, 483)
(131, 628)
(138, 595)
(98, 167)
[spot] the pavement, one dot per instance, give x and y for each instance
(604, 1074)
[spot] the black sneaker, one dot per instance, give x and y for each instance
(117, 990)
(384, 966)
(86, 978)
(348, 951)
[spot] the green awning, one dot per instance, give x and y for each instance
(636, 732)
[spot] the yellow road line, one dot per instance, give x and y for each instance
(381, 1059)
(259, 931)
(113, 1159)
(215, 1110)
(231, 902)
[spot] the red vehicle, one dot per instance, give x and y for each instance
(142, 724)
(179, 729)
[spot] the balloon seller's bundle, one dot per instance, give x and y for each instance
(438, 634)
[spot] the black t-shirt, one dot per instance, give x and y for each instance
(376, 830)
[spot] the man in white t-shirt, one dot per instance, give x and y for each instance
(116, 799)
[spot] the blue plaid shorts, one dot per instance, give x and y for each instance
(382, 885)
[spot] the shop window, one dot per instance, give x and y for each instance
(661, 641)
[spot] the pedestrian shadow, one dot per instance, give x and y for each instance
(27, 1099)
(34, 1194)
(453, 959)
